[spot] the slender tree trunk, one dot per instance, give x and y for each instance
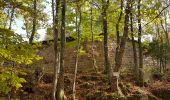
(161, 53)
(92, 39)
(60, 87)
(166, 28)
(11, 17)
(136, 69)
(141, 80)
(55, 32)
(167, 39)
(105, 32)
(117, 25)
(165, 63)
(34, 22)
(117, 31)
(164, 52)
(159, 47)
(77, 54)
(53, 4)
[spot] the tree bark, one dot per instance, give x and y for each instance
(118, 22)
(92, 39)
(118, 31)
(141, 80)
(11, 17)
(120, 53)
(136, 68)
(105, 32)
(164, 51)
(60, 87)
(34, 22)
(166, 27)
(56, 54)
(77, 54)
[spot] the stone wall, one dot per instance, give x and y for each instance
(85, 61)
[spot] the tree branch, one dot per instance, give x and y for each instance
(157, 16)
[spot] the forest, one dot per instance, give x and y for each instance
(84, 49)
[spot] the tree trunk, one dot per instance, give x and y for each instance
(117, 30)
(92, 40)
(161, 53)
(11, 17)
(55, 32)
(60, 87)
(136, 69)
(164, 51)
(159, 37)
(166, 27)
(77, 54)
(105, 32)
(120, 53)
(141, 80)
(34, 22)
(117, 25)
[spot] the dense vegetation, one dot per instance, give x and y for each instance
(82, 28)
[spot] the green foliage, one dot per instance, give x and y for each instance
(71, 44)
(82, 52)
(41, 17)
(49, 33)
(9, 80)
(146, 47)
(14, 49)
(14, 52)
(98, 38)
(159, 49)
(156, 74)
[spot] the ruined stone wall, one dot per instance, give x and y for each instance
(85, 61)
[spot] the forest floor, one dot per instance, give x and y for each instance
(90, 85)
(94, 86)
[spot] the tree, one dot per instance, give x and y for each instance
(120, 52)
(117, 25)
(34, 22)
(55, 32)
(60, 87)
(135, 60)
(78, 25)
(141, 80)
(105, 5)
(11, 17)
(119, 55)
(92, 38)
